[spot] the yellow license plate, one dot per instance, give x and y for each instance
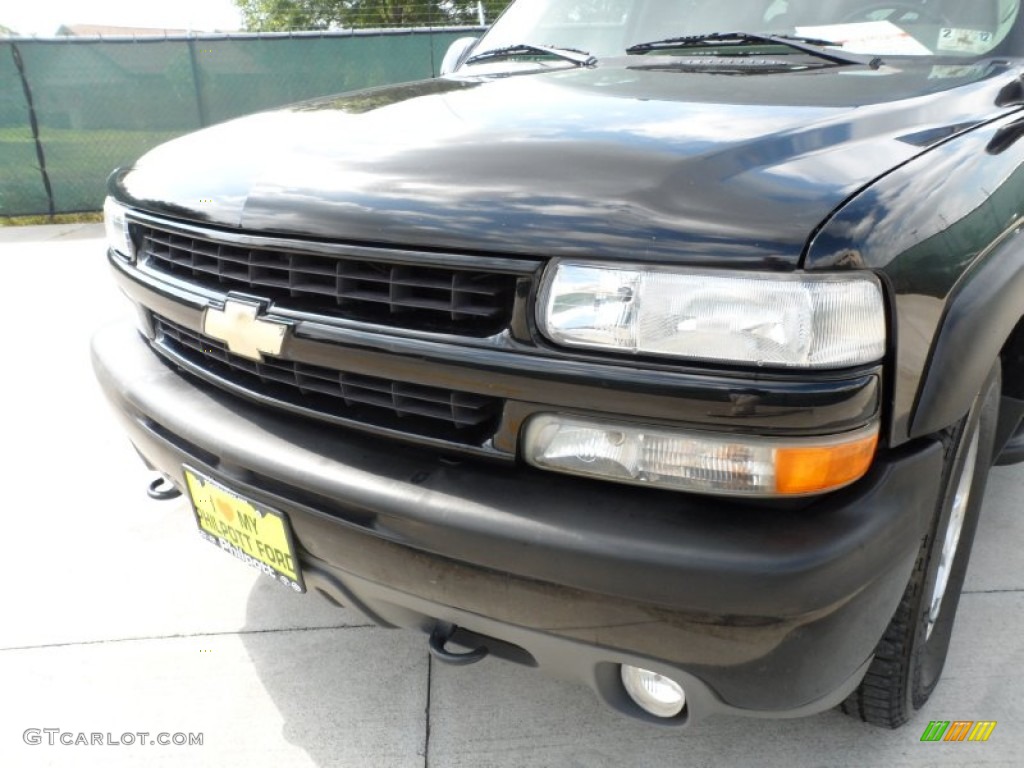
(255, 534)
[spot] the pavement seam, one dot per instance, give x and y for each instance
(426, 719)
(988, 591)
(179, 637)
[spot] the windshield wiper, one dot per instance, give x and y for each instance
(809, 45)
(576, 56)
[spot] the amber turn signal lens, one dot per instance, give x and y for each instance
(822, 468)
(699, 462)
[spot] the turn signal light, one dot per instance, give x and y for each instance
(701, 462)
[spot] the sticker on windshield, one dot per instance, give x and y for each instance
(965, 40)
(947, 71)
(881, 37)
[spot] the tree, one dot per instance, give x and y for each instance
(294, 15)
(7, 31)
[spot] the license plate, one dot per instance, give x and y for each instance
(257, 535)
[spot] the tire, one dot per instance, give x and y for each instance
(909, 658)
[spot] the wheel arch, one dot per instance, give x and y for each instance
(1012, 358)
(983, 320)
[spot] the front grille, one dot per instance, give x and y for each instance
(429, 298)
(459, 417)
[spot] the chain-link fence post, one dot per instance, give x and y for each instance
(19, 64)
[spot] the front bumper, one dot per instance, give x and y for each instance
(760, 610)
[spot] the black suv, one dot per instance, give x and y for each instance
(665, 345)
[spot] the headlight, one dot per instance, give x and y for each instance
(801, 320)
(116, 224)
(729, 465)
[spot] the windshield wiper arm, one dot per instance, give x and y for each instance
(576, 56)
(809, 45)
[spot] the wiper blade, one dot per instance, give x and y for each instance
(809, 45)
(576, 56)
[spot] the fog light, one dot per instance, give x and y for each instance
(659, 695)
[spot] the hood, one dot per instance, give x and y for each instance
(619, 161)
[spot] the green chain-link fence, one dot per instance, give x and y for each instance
(73, 109)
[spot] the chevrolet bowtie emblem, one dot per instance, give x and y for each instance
(245, 333)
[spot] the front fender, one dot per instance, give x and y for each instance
(943, 233)
(979, 318)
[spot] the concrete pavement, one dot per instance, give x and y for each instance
(116, 617)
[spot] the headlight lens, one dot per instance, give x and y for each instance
(729, 465)
(116, 223)
(796, 321)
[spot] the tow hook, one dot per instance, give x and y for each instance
(440, 636)
(162, 489)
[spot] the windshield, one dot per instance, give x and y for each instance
(961, 29)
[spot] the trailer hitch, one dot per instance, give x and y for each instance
(440, 636)
(162, 489)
